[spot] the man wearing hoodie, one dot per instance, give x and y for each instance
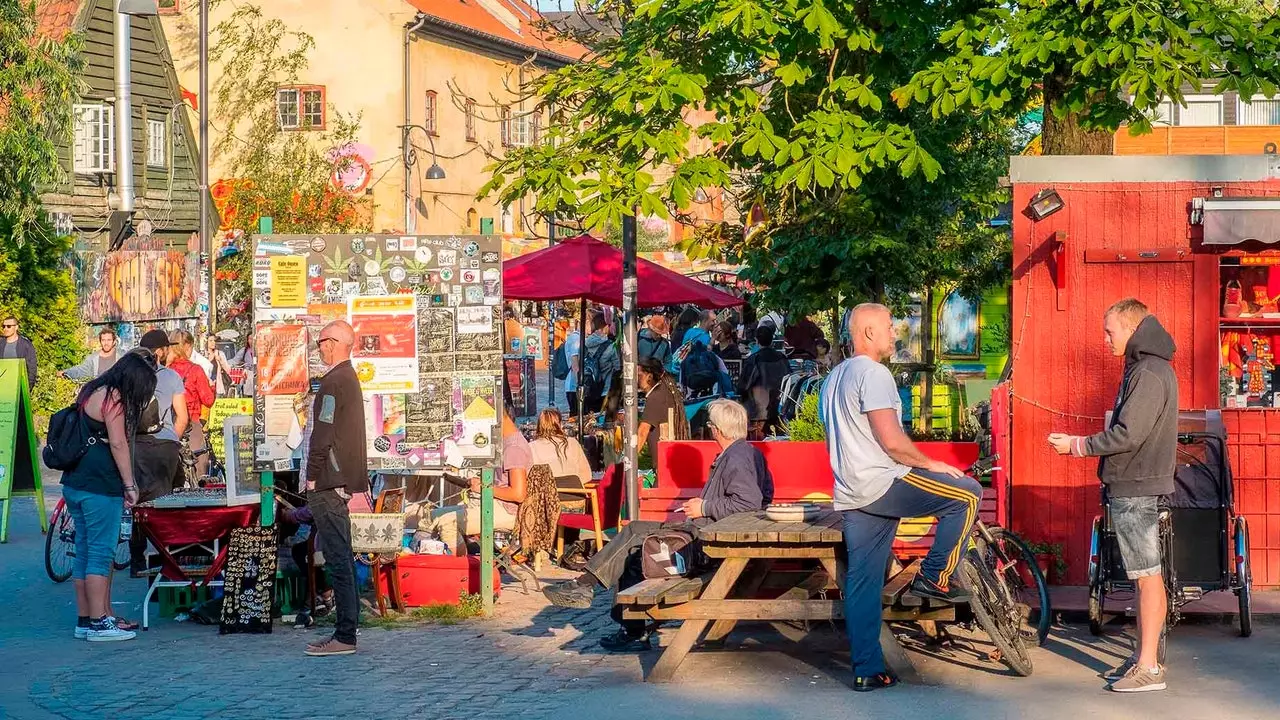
(1137, 456)
(600, 364)
(760, 384)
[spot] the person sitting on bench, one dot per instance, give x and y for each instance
(739, 482)
(881, 477)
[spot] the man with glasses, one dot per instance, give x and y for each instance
(17, 347)
(336, 469)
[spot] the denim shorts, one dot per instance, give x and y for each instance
(97, 519)
(1136, 522)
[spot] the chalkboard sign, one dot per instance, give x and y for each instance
(250, 579)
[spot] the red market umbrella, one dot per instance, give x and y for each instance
(585, 268)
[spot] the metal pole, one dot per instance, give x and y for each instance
(206, 234)
(486, 538)
(582, 366)
(124, 112)
(630, 287)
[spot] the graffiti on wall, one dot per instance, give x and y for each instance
(137, 285)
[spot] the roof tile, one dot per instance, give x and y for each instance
(55, 18)
(471, 15)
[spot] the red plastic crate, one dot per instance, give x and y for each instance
(439, 579)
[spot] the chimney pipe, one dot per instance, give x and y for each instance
(124, 114)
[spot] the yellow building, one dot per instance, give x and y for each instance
(450, 71)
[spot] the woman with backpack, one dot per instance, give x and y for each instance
(101, 486)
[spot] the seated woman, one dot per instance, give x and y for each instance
(455, 523)
(563, 454)
(739, 482)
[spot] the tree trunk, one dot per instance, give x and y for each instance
(837, 348)
(1065, 136)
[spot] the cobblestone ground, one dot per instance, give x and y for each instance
(531, 661)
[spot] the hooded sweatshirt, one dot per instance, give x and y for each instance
(1138, 449)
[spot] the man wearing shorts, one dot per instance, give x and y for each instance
(881, 477)
(1137, 455)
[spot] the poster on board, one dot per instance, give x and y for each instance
(426, 312)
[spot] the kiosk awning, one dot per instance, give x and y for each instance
(1231, 221)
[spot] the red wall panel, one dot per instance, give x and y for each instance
(1064, 378)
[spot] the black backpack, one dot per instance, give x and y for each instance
(560, 363)
(593, 381)
(700, 371)
(69, 439)
(149, 421)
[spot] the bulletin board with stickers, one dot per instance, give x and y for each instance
(427, 316)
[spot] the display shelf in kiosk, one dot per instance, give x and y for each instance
(1249, 330)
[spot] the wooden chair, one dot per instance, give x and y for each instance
(390, 501)
(604, 508)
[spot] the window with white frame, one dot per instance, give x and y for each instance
(157, 143)
(301, 107)
(508, 220)
(93, 150)
(1200, 111)
(1162, 114)
(521, 132)
(1260, 110)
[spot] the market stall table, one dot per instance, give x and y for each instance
(780, 556)
(173, 531)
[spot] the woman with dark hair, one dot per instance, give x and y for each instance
(663, 406)
(688, 318)
(725, 336)
(101, 486)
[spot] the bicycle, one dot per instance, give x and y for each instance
(60, 546)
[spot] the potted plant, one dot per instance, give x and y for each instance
(1052, 564)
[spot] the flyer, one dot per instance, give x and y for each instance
(282, 359)
(475, 411)
(288, 281)
(386, 352)
(475, 320)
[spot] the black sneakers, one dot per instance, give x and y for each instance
(879, 681)
(622, 641)
(924, 587)
(569, 594)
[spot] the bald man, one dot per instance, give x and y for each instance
(881, 477)
(337, 469)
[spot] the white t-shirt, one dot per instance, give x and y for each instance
(572, 348)
(574, 461)
(863, 470)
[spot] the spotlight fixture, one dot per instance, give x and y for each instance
(1045, 203)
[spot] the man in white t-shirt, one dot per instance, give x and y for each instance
(573, 354)
(881, 477)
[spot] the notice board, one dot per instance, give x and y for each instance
(426, 311)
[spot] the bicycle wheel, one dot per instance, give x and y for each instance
(60, 544)
(123, 555)
(1018, 566)
(995, 614)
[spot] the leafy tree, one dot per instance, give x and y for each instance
(1098, 64)
(283, 175)
(37, 90)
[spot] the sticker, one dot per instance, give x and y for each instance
(474, 294)
(350, 289)
(489, 257)
(315, 285)
(382, 443)
(408, 243)
(368, 249)
(393, 244)
(376, 285)
(333, 286)
(474, 264)
(264, 297)
(474, 320)
(283, 465)
(453, 243)
(455, 299)
(480, 440)
(414, 279)
(393, 463)
(470, 277)
(353, 270)
(437, 299)
(396, 261)
(318, 244)
(447, 257)
(357, 245)
(446, 274)
(491, 275)
(422, 254)
(372, 267)
(471, 249)
(397, 274)
(313, 271)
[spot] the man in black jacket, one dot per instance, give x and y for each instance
(1137, 455)
(336, 468)
(740, 482)
(760, 384)
(16, 347)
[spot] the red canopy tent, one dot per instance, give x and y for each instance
(588, 269)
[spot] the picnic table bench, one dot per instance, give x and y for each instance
(771, 571)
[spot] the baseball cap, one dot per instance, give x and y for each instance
(154, 340)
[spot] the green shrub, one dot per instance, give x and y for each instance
(807, 426)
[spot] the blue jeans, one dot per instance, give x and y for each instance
(868, 538)
(1136, 522)
(97, 521)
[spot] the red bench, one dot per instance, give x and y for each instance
(801, 471)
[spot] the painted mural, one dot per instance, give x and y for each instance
(137, 285)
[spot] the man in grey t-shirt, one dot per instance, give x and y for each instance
(157, 452)
(881, 477)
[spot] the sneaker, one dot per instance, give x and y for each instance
(924, 587)
(879, 681)
(82, 632)
(332, 646)
(570, 594)
(1121, 670)
(1140, 679)
(622, 641)
(105, 630)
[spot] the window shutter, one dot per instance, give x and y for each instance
(486, 226)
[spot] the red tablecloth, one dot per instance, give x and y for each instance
(170, 527)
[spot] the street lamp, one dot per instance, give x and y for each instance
(435, 172)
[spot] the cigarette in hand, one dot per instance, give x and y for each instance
(679, 509)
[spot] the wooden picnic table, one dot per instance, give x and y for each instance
(758, 556)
